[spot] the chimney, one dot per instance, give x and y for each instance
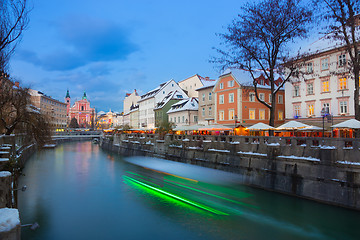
(17, 84)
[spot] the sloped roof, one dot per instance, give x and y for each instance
(244, 78)
(172, 95)
(153, 92)
(190, 104)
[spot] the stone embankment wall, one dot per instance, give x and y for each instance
(326, 170)
(10, 150)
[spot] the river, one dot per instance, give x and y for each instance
(79, 191)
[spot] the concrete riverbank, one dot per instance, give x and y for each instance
(326, 171)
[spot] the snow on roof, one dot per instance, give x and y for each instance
(326, 43)
(9, 219)
(204, 87)
(101, 113)
(191, 104)
(244, 78)
(172, 95)
(154, 91)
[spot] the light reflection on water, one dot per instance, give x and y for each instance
(78, 191)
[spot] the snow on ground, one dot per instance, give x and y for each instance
(301, 158)
(218, 150)
(5, 174)
(349, 163)
(9, 219)
(252, 153)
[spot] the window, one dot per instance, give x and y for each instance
(343, 107)
(262, 96)
(203, 112)
(82, 108)
(231, 83)
(178, 119)
(252, 97)
(280, 99)
(195, 119)
(296, 91)
(270, 98)
(342, 60)
(342, 83)
(310, 88)
(221, 115)
(221, 86)
(297, 111)
(325, 85)
(174, 119)
(203, 97)
(309, 67)
(325, 64)
(210, 97)
(310, 109)
(231, 97)
(251, 114)
(262, 114)
(221, 99)
(326, 107)
(280, 115)
(210, 111)
(231, 114)
(183, 119)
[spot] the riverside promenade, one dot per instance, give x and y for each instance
(325, 170)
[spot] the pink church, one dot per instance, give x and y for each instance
(81, 110)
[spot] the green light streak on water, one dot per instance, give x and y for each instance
(210, 194)
(176, 197)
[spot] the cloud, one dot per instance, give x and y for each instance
(84, 41)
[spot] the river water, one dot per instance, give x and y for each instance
(79, 191)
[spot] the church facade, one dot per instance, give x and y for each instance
(81, 110)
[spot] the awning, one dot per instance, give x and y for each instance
(260, 127)
(292, 125)
(188, 128)
(352, 123)
(215, 128)
(311, 128)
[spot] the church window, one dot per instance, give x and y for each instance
(82, 108)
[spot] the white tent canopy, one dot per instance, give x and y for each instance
(188, 128)
(352, 123)
(214, 128)
(260, 127)
(292, 125)
(311, 128)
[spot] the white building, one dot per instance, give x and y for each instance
(149, 100)
(130, 100)
(326, 87)
(194, 82)
(184, 112)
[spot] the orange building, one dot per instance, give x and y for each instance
(236, 103)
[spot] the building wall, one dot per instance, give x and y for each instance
(257, 107)
(206, 103)
(179, 118)
(54, 109)
(83, 113)
(146, 107)
(227, 106)
(190, 85)
(303, 100)
(134, 119)
(133, 98)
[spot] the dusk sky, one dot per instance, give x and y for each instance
(108, 48)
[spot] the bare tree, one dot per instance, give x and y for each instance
(17, 115)
(258, 41)
(343, 23)
(13, 21)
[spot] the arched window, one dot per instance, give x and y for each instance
(82, 108)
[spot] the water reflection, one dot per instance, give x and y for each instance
(79, 191)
